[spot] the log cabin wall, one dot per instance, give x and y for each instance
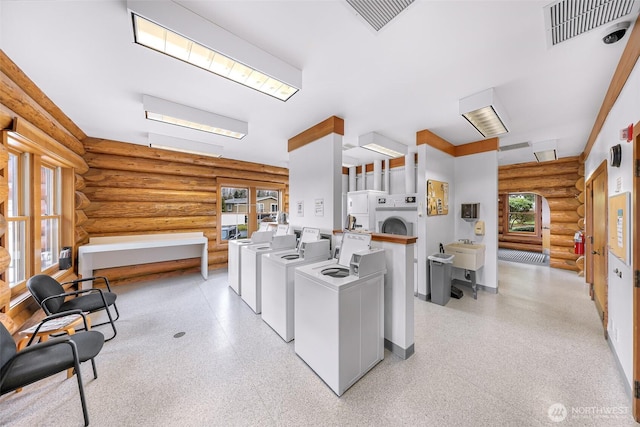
(134, 189)
(561, 182)
(26, 110)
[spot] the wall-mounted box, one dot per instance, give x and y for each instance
(470, 210)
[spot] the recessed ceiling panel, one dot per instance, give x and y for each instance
(565, 19)
(378, 13)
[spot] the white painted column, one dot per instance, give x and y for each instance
(377, 175)
(409, 173)
(387, 176)
(352, 178)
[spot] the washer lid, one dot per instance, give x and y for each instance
(352, 242)
(335, 272)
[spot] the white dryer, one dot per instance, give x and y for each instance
(339, 313)
(251, 263)
(278, 280)
(397, 214)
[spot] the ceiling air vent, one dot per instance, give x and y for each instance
(513, 146)
(566, 19)
(347, 146)
(378, 13)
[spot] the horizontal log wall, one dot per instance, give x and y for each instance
(134, 189)
(561, 183)
(25, 109)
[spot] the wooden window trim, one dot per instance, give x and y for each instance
(20, 145)
(535, 237)
(252, 216)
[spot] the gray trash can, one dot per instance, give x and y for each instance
(440, 277)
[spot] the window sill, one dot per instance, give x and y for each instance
(60, 275)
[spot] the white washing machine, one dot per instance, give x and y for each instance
(278, 280)
(251, 263)
(339, 313)
(398, 214)
(233, 256)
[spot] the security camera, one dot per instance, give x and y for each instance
(615, 32)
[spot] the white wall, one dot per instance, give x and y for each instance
(476, 180)
(620, 297)
(315, 173)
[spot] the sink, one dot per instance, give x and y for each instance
(469, 256)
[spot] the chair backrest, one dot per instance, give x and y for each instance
(42, 286)
(7, 346)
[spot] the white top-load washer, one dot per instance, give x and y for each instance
(339, 313)
(233, 256)
(278, 280)
(251, 265)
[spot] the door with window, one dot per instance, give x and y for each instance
(234, 213)
(245, 205)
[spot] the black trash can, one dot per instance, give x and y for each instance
(440, 277)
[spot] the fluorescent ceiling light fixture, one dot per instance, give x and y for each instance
(165, 142)
(171, 29)
(381, 144)
(169, 112)
(484, 112)
(545, 151)
(348, 162)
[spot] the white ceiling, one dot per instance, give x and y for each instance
(403, 79)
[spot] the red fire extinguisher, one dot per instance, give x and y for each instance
(578, 243)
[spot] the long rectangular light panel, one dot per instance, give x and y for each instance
(164, 111)
(164, 40)
(381, 144)
(164, 142)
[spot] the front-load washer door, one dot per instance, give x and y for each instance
(396, 225)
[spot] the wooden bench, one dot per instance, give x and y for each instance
(117, 251)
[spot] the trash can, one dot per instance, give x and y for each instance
(440, 277)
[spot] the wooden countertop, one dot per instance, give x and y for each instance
(384, 237)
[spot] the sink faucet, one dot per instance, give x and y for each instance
(465, 241)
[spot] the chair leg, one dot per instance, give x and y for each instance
(95, 372)
(111, 321)
(83, 401)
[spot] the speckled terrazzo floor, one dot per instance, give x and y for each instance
(501, 360)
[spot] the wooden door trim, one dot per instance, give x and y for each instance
(635, 386)
(588, 200)
(600, 170)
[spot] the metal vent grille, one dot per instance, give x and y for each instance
(513, 146)
(566, 19)
(378, 13)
